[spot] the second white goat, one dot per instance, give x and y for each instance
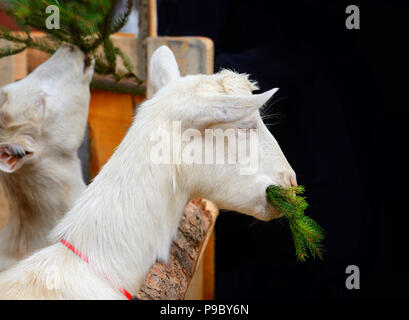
(42, 123)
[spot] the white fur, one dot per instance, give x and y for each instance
(128, 216)
(44, 114)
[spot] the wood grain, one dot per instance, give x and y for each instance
(193, 54)
(171, 281)
(109, 119)
(153, 19)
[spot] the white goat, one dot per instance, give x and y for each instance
(128, 216)
(42, 123)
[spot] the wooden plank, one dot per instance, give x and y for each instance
(129, 45)
(14, 67)
(110, 117)
(20, 65)
(143, 32)
(194, 55)
(170, 281)
(35, 57)
(209, 272)
(153, 19)
(6, 67)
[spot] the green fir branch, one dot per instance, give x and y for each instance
(306, 233)
(87, 24)
(4, 52)
(125, 60)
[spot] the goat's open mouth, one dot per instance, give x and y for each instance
(14, 151)
(13, 156)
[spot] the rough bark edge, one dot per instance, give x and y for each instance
(143, 16)
(171, 281)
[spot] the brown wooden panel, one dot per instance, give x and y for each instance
(193, 54)
(153, 19)
(110, 117)
(209, 269)
(171, 281)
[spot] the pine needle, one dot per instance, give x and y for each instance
(307, 234)
(87, 24)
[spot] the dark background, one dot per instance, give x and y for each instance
(339, 118)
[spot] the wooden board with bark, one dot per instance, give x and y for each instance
(171, 281)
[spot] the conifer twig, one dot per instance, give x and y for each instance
(307, 234)
(87, 24)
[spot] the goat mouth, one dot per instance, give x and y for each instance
(12, 157)
(16, 152)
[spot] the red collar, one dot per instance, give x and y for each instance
(79, 254)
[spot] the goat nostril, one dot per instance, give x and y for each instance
(293, 182)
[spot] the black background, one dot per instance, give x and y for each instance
(340, 120)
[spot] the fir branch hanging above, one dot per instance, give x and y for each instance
(87, 24)
(307, 234)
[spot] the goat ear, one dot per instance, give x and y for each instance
(228, 108)
(12, 157)
(163, 68)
